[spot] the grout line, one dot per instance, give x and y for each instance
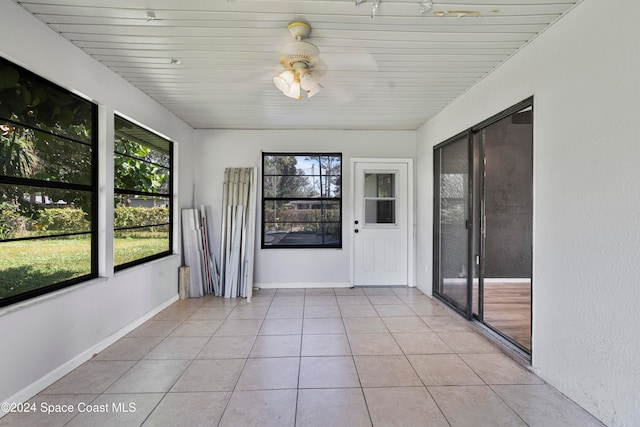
(231, 393)
(183, 321)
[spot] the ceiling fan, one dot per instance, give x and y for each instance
(300, 58)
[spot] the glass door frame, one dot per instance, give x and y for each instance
(467, 309)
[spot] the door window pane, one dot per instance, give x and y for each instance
(380, 202)
(379, 185)
(380, 212)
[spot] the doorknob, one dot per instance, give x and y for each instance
(356, 230)
(355, 222)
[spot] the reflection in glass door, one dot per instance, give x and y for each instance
(451, 227)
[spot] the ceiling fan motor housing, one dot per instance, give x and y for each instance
(299, 51)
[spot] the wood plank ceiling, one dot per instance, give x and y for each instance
(394, 70)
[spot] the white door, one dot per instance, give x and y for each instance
(380, 223)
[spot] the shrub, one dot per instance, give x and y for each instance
(11, 220)
(126, 216)
(63, 219)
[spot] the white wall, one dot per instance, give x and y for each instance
(45, 337)
(219, 149)
(583, 73)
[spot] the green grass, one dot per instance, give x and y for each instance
(130, 249)
(31, 264)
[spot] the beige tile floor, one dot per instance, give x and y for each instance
(315, 357)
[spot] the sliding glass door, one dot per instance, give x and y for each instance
(451, 225)
(505, 191)
(483, 216)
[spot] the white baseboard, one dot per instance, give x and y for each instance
(298, 285)
(53, 376)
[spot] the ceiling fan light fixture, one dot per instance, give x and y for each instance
(294, 91)
(289, 83)
(284, 80)
(310, 84)
(299, 58)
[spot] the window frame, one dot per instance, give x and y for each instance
(168, 196)
(321, 199)
(92, 187)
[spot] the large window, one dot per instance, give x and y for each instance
(48, 186)
(143, 195)
(301, 200)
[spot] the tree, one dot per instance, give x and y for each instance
(42, 130)
(330, 171)
(17, 154)
(139, 168)
(284, 179)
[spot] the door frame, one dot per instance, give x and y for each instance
(410, 213)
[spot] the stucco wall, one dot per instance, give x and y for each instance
(583, 73)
